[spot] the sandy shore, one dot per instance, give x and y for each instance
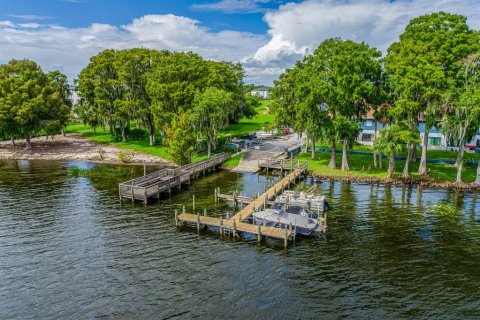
(70, 147)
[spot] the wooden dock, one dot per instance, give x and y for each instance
(153, 184)
(282, 164)
(237, 223)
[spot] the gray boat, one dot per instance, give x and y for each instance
(281, 219)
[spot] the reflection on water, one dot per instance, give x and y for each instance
(70, 249)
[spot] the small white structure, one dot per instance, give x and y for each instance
(262, 92)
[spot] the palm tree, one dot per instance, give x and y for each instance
(392, 141)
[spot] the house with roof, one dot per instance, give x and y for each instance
(436, 139)
(262, 92)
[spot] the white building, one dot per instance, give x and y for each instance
(436, 139)
(262, 92)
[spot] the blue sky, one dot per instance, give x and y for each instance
(78, 13)
(266, 36)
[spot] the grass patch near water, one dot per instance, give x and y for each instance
(99, 172)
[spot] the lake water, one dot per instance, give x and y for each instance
(70, 249)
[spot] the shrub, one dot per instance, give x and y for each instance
(126, 156)
(137, 134)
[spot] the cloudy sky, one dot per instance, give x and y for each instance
(267, 36)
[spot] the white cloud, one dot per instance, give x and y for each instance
(297, 28)
(28, 16)
(68, 49)
(232, 6)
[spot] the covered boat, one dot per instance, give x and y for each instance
(303, 199)
(282, 219)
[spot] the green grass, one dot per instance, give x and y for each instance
(103, 136)
(234, 161)
(99, 172)
(246, 126)
(360, 165)
(431, 154)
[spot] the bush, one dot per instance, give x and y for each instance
(126, 156)
(137, 134)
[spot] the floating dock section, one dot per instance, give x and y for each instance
(153, 184)
(237, 224)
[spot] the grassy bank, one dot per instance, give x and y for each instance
(244, 127)
(98, 172)
(233, 162)
(362, 166)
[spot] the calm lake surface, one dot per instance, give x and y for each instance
(69, 249)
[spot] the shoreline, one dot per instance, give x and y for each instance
(466, 187)
(73, 147)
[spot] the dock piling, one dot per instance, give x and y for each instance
(198, 222)
(176, 218)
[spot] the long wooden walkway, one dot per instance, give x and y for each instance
(236, 223)
(153, 184)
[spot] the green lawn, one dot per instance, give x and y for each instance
(246, 126)
(233, 162)
(431, 154)
(360, 165)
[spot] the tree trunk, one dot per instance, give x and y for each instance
(314, 154)
(391, 167)
(306, 145)
(460, 162)
(374, 151)
(407, 161)
(122, 130)
(380, 165)
(151, 130)
(28, 143)
(12, 139)
(333, 155)
(422, 169)
(209, 147)
(345, 166)
(477, 181)
(413, 155)
(63, 132)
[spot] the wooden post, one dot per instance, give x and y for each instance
(221, 226)
(215, 194)
(169, 188)
(133, 195)
(198, 222)
(325, 223)
(259, 235)
(291, 161)
(144, 168)
(234, 228)
(204, 212)
(176, 218)
(183, 210)
(285, 240)
(193, 203)
(265, 202)
(145, 195)
(120, 192)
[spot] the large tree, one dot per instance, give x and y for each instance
(210, 114)
(424, 64)
(350, 73)
(32, 101)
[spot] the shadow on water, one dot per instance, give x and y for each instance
(69, 248)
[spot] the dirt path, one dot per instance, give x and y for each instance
(71, 147)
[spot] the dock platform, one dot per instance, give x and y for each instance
(237, 223)
(153, 184)
(282, 164)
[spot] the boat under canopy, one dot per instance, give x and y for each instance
(281, 219)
